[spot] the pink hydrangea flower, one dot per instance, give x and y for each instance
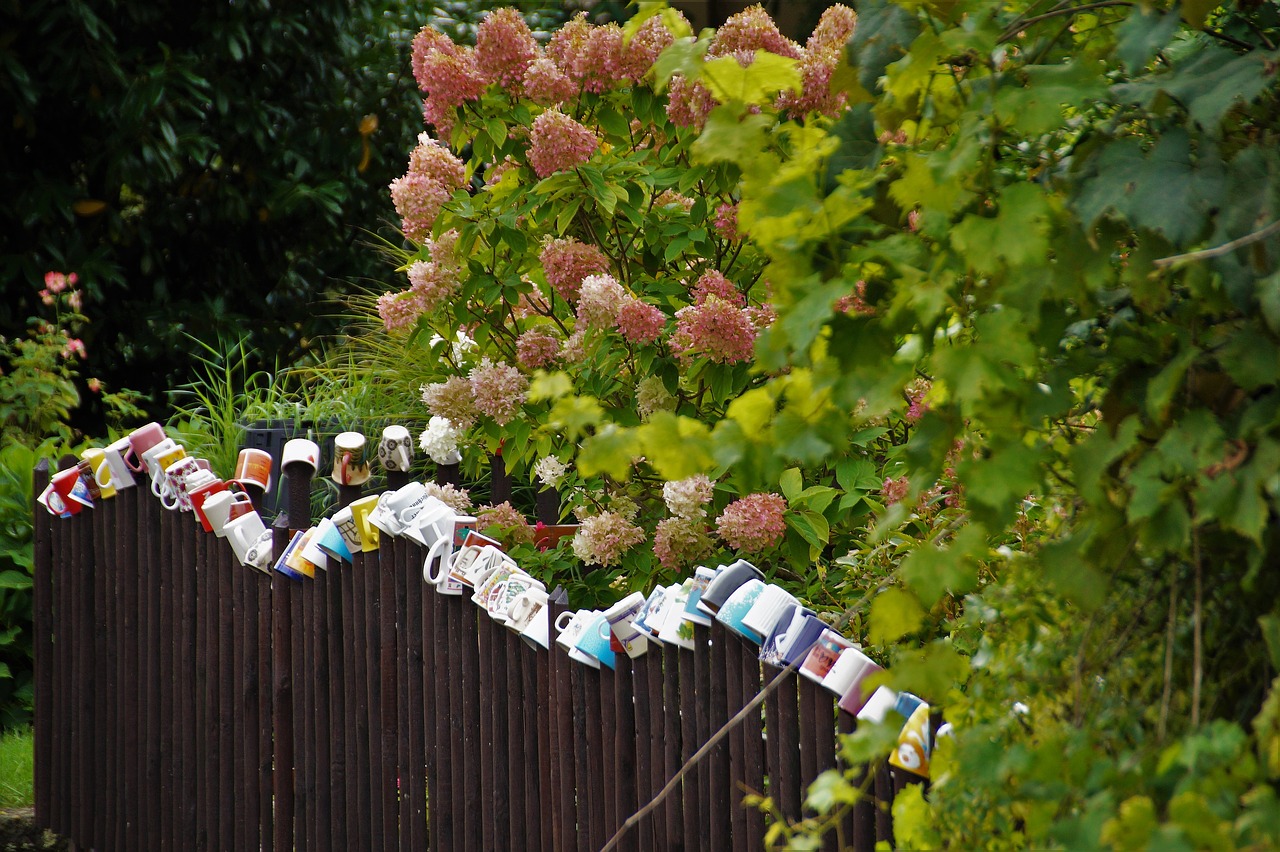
(537, 347)
(715, 329)
(604, 538)
(651, 39)
(713, 283)
(56, 282)
(427, 40)
(688, 102)
(567, 262)
(680, 542)
(418, 199)
(558, 143)
(599, 300)
(546, 85)
(687, 498)
(895, 490)
(452, 399)
(639, 322)
(568, 42)
(499, 390)
(450, 79)
(437, 162)
(751, 30)
(855, 303)
(432, 283)
(726, 221)
(670, 196)
(753, 523)
(457, 499)
(514, 526)
(916, 406)
(74, 346)
(834, 29)
(601, 63)
(504, 48)
(400, 310)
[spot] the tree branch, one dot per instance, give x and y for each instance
(1219, 251)
(1021, 24)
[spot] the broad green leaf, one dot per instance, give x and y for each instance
(812, 527)
(575, 415)
(930, 672)
(1017, 234)
(767, 74)
(1251, 358)
(676, 446)
(1142, 34)
(830, 789)
(727, 137)
(791, 483)
(885, 32)
(1037, 105)
(549, 386)
(1270, 625)
(912, 820)
(1068, 572)
(14, 580)
(1166, 190)
(932, 571)
(894, 614)
(754, 409)
(682, 56)
(611, 451)
(1168, 381)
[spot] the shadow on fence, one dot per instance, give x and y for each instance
(184, 701)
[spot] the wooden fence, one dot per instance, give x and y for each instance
(186, 702)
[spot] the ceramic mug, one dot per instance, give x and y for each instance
(283, 564)
(244, 534)
(574, 623)
(735, 609)
(199, 494)
(300, 450)
(726, 582)
(350, 467)
(223, 507)
(594, 643)
(848, 666)
(702, 577)
(425, 522)
(676, 629)
(396, 508)
(508, 592)
(311, 551)
(118, 472)
(151, 460)
(794, 633)
(767, 609)
(329, 539)
(620, 626)
(858, 693)
(172, 485)
(822, 657)
(253, 467)
(86, 469)
(395, 451)
(370, 536)
(505, 568)
(526, 606)
(345, 523)
(140, 440)
(537, 629)
(651, 607)
(68, 492)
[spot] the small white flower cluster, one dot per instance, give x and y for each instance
(440, 441)
(550, 471)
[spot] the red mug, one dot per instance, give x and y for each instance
(201, 493)
(71, 490)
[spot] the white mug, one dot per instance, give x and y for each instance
(676, 630)
(426, 522)
(348, 529)
(537, 629)
(119, 474)
(395, 452)
(312, 551)
(620, 621)
(244, 533)
(173, 485)
(508, 592)
(394, 507)
(300, 450)
(768, 608)
(823, 655)
(151, 463)
(224, 507)
(525, 608)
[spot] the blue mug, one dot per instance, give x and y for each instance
(735, 609)
(592, 644)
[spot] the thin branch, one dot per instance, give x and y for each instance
(752, 706)
(1022, 23)
(1219, 251)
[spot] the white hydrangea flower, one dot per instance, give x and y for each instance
(550, 471)
(440, 441)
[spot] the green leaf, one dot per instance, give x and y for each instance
(1143, 33)
(894, 613)
(1069, 573)
(791, 483)
(812, 527)
(884, 32)
(682, 56)
(1037, 106)
(1018, 234)
(549, 386)
(1251, 358)
(932, 571)
(14, 580)
(676, 446)
(574, 415)
(830, 789)
(767, 74)
(1270, 625)
(1166, 190)
(754, 409)
(611, 451)
(1160, 390)
(912, 820)
(728, 138)
(930, 672)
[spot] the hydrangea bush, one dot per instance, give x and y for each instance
(564, 230)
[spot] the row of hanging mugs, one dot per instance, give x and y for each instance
(460, 560)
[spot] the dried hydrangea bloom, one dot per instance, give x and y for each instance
(599, 300)
(895, 490)
(753, 523)
(440, 441)
(687, 498)
(567, 262)
(602, 63)
(453, 399)
(504, 48)
(568, 42)
(432, 284)
(537, 347)
(680, 542)
(822, 55)
(670, 196)
(604, 538)
(558, 143)
(836, 26)
(652, 396)
(457, 499)
(418, 199)
(639, 322)
(916, 392)
(499, 390)
(514, 527)
(714, 329)
(546, 84)
(437, 162)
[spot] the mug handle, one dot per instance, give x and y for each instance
(431, 555)
(137, 466)
(345, 468)
(97, 474)
(157, 487)
(560, 628)
(166, 496)
(604, 629)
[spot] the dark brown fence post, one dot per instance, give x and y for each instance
(42, 624)
(753, 744)
(347, 687)
(624, 750)
(565, 802)
(282, 781)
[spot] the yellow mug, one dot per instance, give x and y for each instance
(369, 534)
(97, 459)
